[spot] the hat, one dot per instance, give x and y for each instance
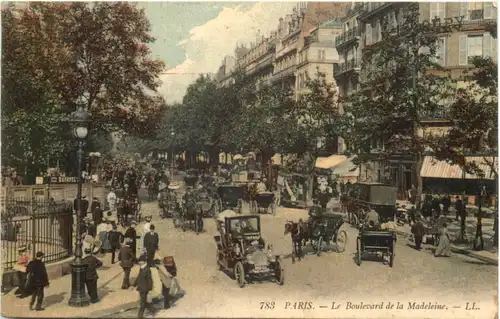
(39, 254)
(84, 196)
(22, 248)
(87, 250)
(148, 217)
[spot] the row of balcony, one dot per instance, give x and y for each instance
(347, 36)
(349, 65)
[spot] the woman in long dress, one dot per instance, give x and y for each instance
(444, 246)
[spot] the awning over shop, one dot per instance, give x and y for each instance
(346, 169)
(330, 161)
(278, 159)
(433, 168)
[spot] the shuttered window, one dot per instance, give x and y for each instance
(437, 9)
(368, 34)
(462, 50)
(490, 12)
(463, 10)
(489, 45)
(441, 52)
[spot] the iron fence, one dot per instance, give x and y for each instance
(39, 225)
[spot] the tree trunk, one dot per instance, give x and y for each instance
(479, 227)
(418, 164)
(213, 157)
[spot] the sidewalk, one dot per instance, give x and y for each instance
(489, 255)
(59, 292)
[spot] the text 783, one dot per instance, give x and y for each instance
(266, 305)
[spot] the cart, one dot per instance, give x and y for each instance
(168, 201)
(242, 252)
(230, 197)
(263, 202)
(376, 242)
(326, 230)
(366, 196)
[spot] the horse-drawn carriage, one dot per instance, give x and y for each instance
(206, 202)
(230, 197)
(367, 196)
(316, 232)
(376, 242)
(167, 201)
(264, 201)
(190, 215)
(191, 177)
(242, 251)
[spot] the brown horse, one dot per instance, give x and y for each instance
(300, 234)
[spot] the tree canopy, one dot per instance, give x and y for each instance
(59, 55)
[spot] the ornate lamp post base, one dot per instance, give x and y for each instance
(79, 297)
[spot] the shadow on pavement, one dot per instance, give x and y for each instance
(54, 299)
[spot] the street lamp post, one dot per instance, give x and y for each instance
(78, 297)
(172, 134)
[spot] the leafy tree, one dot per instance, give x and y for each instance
(316, 124)
(400, 89)
(57, 55)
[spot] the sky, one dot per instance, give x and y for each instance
(194, 37)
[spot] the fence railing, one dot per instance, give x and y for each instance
(39, 225)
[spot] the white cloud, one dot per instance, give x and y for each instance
(208, 44)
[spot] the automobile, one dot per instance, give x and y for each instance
(242, 252)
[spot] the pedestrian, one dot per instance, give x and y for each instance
(144, 284)
(22, 262)
(145, 230)
(115, 239)
(426, 209)
(112, 200)
(436, 206)
(446, 201)
(459, 207)
(102, 232)
(127, 259)
(37, 280)
(85, 205)
(91, 229)
(93, 263)
(166, 278)
(413, 195)
(418, 232)
(151, 244)
(131, 234)
(97, 212)
(95, 203)
(444, 246)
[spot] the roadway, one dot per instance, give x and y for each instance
(316, 282)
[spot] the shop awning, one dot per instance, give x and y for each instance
(433, 168)
(330, 161)
(279, 159)
(346, 169)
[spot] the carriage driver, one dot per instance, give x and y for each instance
(261, 186)
(372, 219)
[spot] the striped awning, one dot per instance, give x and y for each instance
(433, 168)
(330, 161)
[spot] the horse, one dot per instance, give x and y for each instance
(192, 212)
(299, 233)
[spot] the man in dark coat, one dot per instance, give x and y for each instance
(97, 213)
(426, 209)
(91, 228)
(115, 239)
(95, 203)
(127, 259)
(151, 242)
(446, 204)
(459, 207)
(436, 206)
(37, 280)
(418, 231)
(131, 234)
(91, 279)
(144, 284)
(85, 205)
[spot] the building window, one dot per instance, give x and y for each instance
(368, 34)
(476, 45)
(437, 9)
(441, 52)
(475, 10)
(321, 55)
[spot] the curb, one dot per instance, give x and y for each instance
(462, 251)
(120, 309)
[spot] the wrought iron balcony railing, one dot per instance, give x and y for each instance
(339, 68)
(347, 36)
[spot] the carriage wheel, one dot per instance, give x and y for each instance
(340, 240)
(279, 273)
(319, 245)
(273, 209)
(392, 254)
(239, 274)
(359, 252)
(354, 220)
